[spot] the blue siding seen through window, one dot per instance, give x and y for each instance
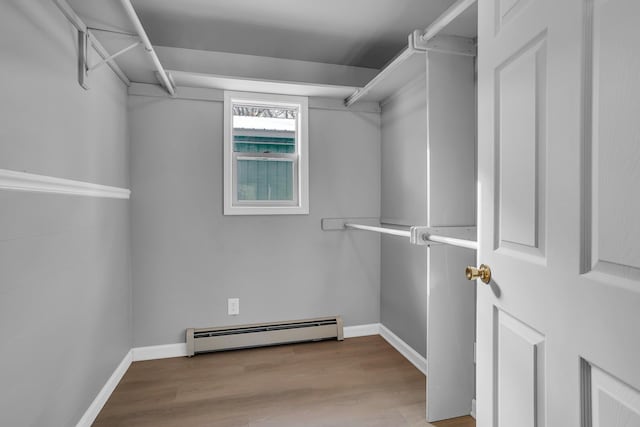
(269, 179)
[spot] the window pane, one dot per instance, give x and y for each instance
(265, 179)
(262, 129)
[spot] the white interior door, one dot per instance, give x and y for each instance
(559, 213)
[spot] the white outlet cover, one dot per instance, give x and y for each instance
(233, 306)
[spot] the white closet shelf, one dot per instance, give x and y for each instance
(402, 69)
(214, 81)
(441, 36)
(408, 64)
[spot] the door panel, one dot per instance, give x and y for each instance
(520, 138)
(559, 215)
(506, 10)
(519, 362)
(612, 402)
(615, 134)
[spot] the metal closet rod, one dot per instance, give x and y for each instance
(382, 230)
(462, 243)
(162, 75)
(418, 235)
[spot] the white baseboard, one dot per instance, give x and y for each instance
(361, 330)
(96, 406)
(154, 352)
(379, 329)
(473, 408)
(180, 349)
(404, 349)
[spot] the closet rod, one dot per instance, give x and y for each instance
(469, 244)
(162, 75)
(418, 235)
(381, 230)
(445, 19)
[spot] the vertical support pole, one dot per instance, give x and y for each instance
(83, 43)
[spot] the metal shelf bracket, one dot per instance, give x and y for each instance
(115, 55)
(83, 69)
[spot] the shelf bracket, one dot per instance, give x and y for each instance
(115, 55)
(416, 43)
(83, 70)
(84, 40)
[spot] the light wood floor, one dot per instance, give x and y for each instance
(357, 382)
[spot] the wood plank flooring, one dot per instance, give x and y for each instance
(358, 382)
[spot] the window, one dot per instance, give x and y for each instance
(265, 154)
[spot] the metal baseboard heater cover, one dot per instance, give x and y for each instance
(205, 340)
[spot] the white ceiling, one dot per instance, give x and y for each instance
(365, 33)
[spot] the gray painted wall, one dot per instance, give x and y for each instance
(452, 145)
(403, 267)
(188, 258)
(65, 290)
(404, 155)
(403, 291)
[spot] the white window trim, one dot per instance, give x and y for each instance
(302, 141)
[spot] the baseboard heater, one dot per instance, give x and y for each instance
(204, 340)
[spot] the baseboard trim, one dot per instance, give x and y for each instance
(361, 330)
(165, 351)
(22, 181)
(404, 349)
(473, 408)
(98, 403)
(154, 352)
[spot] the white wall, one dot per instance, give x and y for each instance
(188, 258)
(65, 291)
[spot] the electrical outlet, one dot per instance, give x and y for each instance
(233, 306)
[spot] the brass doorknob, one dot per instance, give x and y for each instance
(483, 273)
